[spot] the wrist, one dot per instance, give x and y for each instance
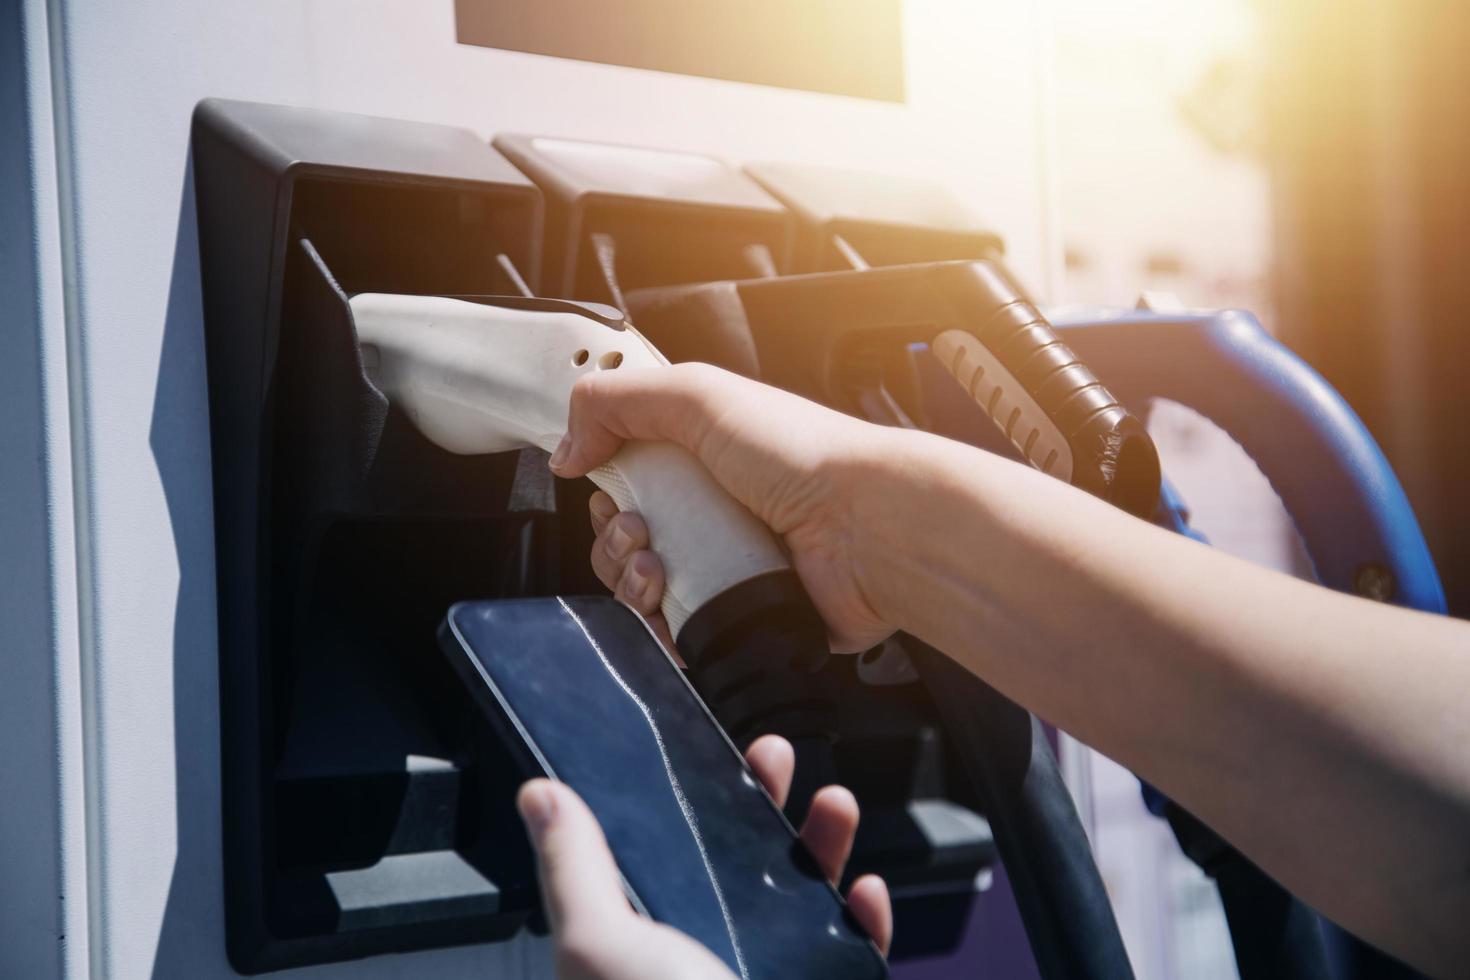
(900, 506)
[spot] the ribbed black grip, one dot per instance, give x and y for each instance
(1111, 454)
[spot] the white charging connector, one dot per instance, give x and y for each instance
(479, 378)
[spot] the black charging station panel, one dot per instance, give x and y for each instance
(850, 219)
(625, 217)
(365, 809)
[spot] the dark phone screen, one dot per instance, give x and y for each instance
(589, 691)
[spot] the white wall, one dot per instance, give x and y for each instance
(128, 76)
(40, 707)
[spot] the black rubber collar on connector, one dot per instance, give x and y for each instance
(755, 654)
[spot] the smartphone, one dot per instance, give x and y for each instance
(582, 691)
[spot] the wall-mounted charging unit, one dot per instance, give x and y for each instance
(851, 219)
(622, 217)
(365, 810)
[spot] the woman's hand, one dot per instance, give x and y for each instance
(600, 937)
(1130, 638)
(811, 474)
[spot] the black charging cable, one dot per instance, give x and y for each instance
(1043, 847)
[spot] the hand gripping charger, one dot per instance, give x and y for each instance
(490, 374)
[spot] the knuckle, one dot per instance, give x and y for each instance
(699, 371)
(630, 524)
(584, 391)
(627, 591)
(607, 571)
(641, 585)
(651, 568)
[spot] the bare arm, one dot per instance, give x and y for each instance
(1323, 735)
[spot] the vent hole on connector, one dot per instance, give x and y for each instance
(610, 360)
(580, 358)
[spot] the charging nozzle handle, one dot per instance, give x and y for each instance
(1049, 404)
(491, 374)
(707, 541)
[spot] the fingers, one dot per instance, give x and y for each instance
(868, 899)
(603, 509)
(598, 935)
(579, 879)
(831, 824)
(774, 762)
(642, 584)
(635, 576)
(660, 627)
(609, 407)
(619, 538)
(621, 561)
(830, 827)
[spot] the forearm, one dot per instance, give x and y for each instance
(1319, 733)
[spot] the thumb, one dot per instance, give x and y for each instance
(579, 879)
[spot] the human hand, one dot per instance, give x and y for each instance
(814, 476)
(598, 935)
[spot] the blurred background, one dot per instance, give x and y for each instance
(1309, 161)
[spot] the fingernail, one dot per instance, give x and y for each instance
(563, 450)
(537, 804)
(637, 584)
(619, 543)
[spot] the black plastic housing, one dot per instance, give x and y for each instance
(622, 217)
(852, 219)
(366, 807)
